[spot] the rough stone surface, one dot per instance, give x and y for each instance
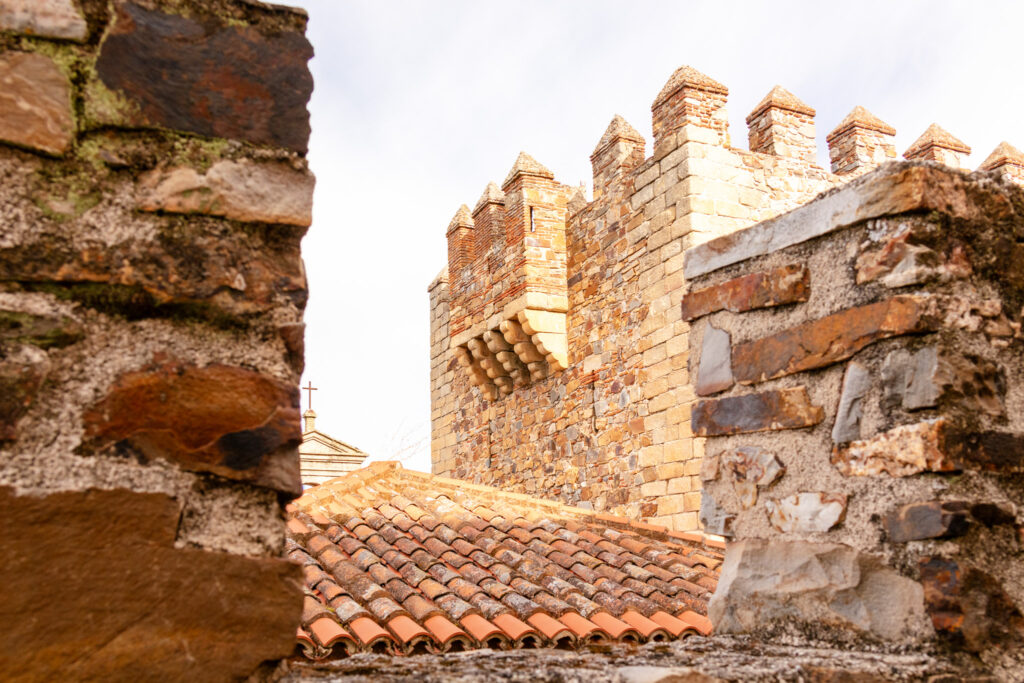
(899, 452)
(239, 190)
(726, 657)
(856, 383)
(770, 410)
(714, 373)
(785, 285)
(750, 468)
(35, 103)
(44, 18)
(778, 587)
(930, 519)
(805, 513)
(968, 606)
(231, 81)
(921, 379)
(828, 340)
(131, 605)
(22, 371)
(221, 419)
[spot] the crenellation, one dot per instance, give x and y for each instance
(1006, 160)
(860, 142)
(782, 125)
(936, 144)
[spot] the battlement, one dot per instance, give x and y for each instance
(559, 355)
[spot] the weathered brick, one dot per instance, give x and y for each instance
(228, 81)
(771, 410)
(931, 519)
(785, 285)
(226, 420)
(828, 340)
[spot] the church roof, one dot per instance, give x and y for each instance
(340, 446)
(402, 562)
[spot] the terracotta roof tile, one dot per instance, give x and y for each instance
(403, 562)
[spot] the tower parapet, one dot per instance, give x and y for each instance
(1007, 160)
(691, 99)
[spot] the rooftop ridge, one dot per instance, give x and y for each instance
(526, 165)
(1004, 153)
(859, 117)
(374, 472)
(618, 129)
(780, 98)
(936, 136)
(492, 194)
(688, 77)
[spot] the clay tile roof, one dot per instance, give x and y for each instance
(618, 129)
(780, 98)
(1004, 153)
(492, 195)
(861, 118)
(483, 568)
(526, 165)
(462, 219)
(688, 77)
(935, 136)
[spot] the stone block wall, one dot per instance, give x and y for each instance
(154, 192)
(859, 364)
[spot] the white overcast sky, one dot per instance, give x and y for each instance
(419, 104)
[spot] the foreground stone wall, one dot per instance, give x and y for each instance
(607, 424)
(154, 192)
(860, 368)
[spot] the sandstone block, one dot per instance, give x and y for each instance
(770, 410)
(785, 285)
(899, 452)
(856, 383)
(931, 519)
(132, 605)
(829, 340)
(805, 513)
(35, 103)
(714, 373)
(44, 18)
(226, 420)
(229, 81)
(239, 190)
(826, 589)
(750, 468)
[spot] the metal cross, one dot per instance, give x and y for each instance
(310, 388)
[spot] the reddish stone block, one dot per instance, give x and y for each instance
(206, 77)
(132, 606)
(222, 419)
(785, 285)
(771, 410)
(931, 519)
(968, 606)
(829, 340)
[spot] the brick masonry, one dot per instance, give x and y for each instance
(154, 192)
(607, 425)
